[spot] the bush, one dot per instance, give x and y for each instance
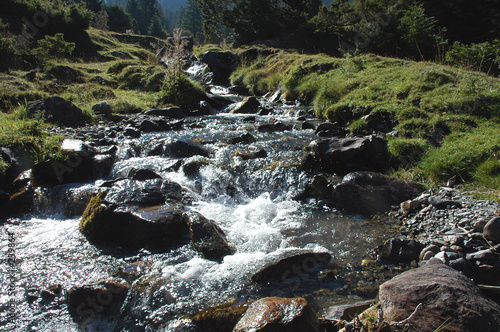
(55, 46)
(484, 57)
(182, 92)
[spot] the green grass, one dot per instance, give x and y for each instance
(429, 105)
(22, 134)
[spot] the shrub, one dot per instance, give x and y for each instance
(55, 46)
(484, 57)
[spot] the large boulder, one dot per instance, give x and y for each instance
(446, 296)
(59, 111)
(343, 155)
(295, 265)
(222, 64)
(208, 238)
(368, 193)
(137, 214)
(249, 105)
(275, 314)
(80, 163)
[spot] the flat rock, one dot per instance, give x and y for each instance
(369, 193)
(343, 155)
(278, 314)
(447, 297)
(293, 266)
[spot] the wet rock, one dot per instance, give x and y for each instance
(204, 109)
(492, 230)
(90, 301)
(131, 132)
(370, 193)
(80, 164)
(222, 318)
(400, 250)
(347, 311)
(244, 139)
(131, 272)
(250, 119)
(21, 201)
(143, 193)
(343, 155)
(446, 296)
(161, 227)
(221, 64)
(278, 314)
(249, 105)
(150, 126)
(253, 154)
(292, 267)
(184, 149)
(102, 108)
(239, 90)
(273, 127)
(59, 111)
(170, 113)
(143, 174)
(307, 125)
(191, 168)
(208, 238)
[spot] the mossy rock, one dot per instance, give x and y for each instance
(160, 227)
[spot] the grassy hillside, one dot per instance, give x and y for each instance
(123, 71)
(444, 122)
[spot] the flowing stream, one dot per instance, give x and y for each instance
(251, 200)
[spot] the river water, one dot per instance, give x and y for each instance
(251, 200)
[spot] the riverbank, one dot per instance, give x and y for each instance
(233, 199)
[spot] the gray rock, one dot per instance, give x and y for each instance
(131, 132)
(249, 105)
(492, 230)
(244, 139)
(102, 108)
(446, 296)
(296, 265)
(278, 314)
(400, 250)
(343, 155)
(370, 193)
(59, 111)
(170, 112)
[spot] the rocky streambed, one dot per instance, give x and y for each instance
(242, 214)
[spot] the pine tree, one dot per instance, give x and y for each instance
(191, 18)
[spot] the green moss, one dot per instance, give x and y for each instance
(91, 216)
